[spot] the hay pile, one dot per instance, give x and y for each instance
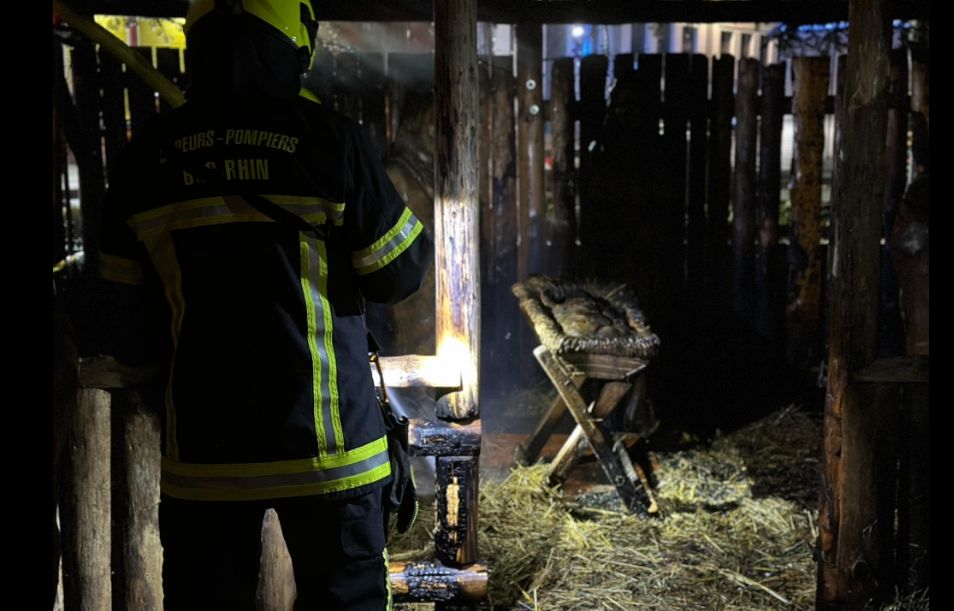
(725, 540)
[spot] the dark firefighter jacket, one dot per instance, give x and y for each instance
(269, 392)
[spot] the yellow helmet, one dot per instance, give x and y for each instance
(293, 19)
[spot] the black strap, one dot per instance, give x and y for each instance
(266, 207)
(280, 215)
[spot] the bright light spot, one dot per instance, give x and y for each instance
(454, 355)
(577, 31)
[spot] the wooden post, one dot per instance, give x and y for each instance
(456, 493)
(671, 267)
(276, 577)
(743, 209)
(142, 550)
(530, 149)
(592, 110)
(768, 293)
(456, 212)
(86, 518)
(488, 285)
(561, 218)
(500, 220)
(804, 306)
(696, 212)
(720, 173)
(841, 67)
(848, 541)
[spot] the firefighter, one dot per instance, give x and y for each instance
(267, 395)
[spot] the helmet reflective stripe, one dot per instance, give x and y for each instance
(283, 15)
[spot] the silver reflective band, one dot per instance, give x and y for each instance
(398, 240)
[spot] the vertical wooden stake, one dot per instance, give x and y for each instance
(561, 220)
(805, 270)
(769, 306)
(456, 492)
(720, 174)
(456, 211)
(846, 540)
(87, 518)
(530, 148)
(743, 209)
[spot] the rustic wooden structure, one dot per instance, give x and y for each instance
(710, 258)
(570, 356)
(854, 502)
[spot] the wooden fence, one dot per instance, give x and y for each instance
(638, 185)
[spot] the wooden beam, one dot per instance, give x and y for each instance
(526, 453)
(505, 327)
(720, 173)
(634, 499)
(530, 149)
(434, 582)
(456, 485)
(848, 545)
(439, 438)
(810, 76)
(456, 211)
(696, 206)
(743, 208)
(86, 515)
(142, 550)
(103, 37)
(561, 219)
(590, 112)
(769, 301)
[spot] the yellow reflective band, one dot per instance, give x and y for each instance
(309, 290)
(358, 467)
(329, 346)
(231, 209)
(281, 467)
(389, 246)
(120, 269)
(276, 492)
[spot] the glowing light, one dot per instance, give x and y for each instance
(577, 31)
(454, 355)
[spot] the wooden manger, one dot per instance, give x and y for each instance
(594, 341)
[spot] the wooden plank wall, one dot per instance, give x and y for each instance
(647, 201)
